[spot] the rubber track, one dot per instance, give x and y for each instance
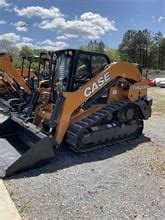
(76, 131)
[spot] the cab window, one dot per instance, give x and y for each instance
(98, 64)
(83, 66)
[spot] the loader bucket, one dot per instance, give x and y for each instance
(4, 107)
(22, 147)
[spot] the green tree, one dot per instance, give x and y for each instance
(17, 59)
(113, 54)
(143, 48)
(100, 47)
(162, 53)
(155, 53)
(127, 47)
(94, 46)
(26, 51)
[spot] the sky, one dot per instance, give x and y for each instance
(58, 24)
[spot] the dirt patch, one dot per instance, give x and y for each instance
(158, 95)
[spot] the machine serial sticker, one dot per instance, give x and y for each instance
(139, 87)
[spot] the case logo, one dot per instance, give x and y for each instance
(97, 84)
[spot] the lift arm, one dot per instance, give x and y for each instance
(11, 75)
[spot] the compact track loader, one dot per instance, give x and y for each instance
(13, 85)
(18, 85)
(90, 103)
(11, 77)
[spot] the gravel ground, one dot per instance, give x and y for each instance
(123, 181)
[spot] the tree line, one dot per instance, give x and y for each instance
(100, 47)
(144, 48)
(137, 46)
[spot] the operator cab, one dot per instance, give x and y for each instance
(75, 67)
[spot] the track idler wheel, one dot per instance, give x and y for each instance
(125, 115)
